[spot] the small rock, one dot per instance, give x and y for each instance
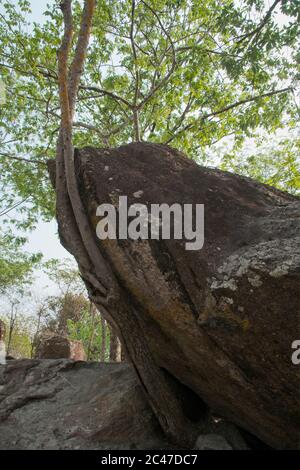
(59, 347)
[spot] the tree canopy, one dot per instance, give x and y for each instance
(181, 72)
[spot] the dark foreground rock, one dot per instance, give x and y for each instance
(61, 404)
(222, 319)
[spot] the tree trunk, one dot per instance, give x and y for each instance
(103, 339)
(92, 335)
(78, 237)
(114, 347)
(12, 321)
(36, 334)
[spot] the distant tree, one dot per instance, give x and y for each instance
(16, 275)
(11, 326)
(64, 273)
(89, 330)
(72, 314)
(19, 328)
(16, 266)
(41, 315)
(277, 165)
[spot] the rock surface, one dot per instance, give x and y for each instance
(59, 347)
(222, 319)
(212, 442)
(61, 404)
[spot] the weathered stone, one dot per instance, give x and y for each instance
(61, 404)
(212, 442)
(59, 347)
(58, 404)
(221, 320)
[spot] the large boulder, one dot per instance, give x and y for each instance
(62, 404)
(222, 319)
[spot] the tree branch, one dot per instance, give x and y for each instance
(229, 107)
(85, 246)
(137, 132)
(14, 206)
(264, 21)
(106, 93)
(20, 159)
(159, 85)
(104, 137)
(246, 100)
(110, 300)
(76, 68)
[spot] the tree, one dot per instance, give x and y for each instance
(277, 165)
(71, 314)
(16, 276)
(90, 331)
(161, 71)
(16, 266)
(12, 321)
(190, 76)
(78, 237)
(41, 315)
(19, 326)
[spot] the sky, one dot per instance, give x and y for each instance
(44, 238)
(38, 7)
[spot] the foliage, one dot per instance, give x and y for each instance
(64, 307)
(21, 344)
(88, 328)
(21, 337)
(65, 275)
(277, 165)
(16, 266)
(183, 72)
(70, 313)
